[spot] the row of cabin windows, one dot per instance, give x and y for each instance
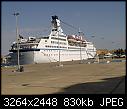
(23, 47)
(54, 46)
(73, 48)
(60, 47)
(61, 50)
(58, 38)
(90, 49)
(55, 51)
(76, 49)
(56, 42)
(60, 54)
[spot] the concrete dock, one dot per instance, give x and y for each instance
(71, 78)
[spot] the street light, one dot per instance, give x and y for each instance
(59, 46)
(17, 37)
(60, 65)
(80, 46)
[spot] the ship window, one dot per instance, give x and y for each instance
(54, 29)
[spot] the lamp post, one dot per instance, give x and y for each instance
(80, 46)
(59, 47)
(60, 65)
(17, 38)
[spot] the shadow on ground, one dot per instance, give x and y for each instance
(114, 85)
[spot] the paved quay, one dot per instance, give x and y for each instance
(71, 78)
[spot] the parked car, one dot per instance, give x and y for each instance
(115, 56)
(108, 55)
(122, 56)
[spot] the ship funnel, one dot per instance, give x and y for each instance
(54, 22)
(54, 17)
(56, 28)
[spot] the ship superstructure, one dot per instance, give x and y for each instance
(55, 47)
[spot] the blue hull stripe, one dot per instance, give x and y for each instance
(27, 50)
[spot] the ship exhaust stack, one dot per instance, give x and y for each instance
(56, 28)
(54, 22)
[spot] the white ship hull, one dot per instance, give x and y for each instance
(65, 55)
(43, 56)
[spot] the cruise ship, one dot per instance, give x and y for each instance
(55, 47)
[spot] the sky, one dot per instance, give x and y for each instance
(103, 23)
